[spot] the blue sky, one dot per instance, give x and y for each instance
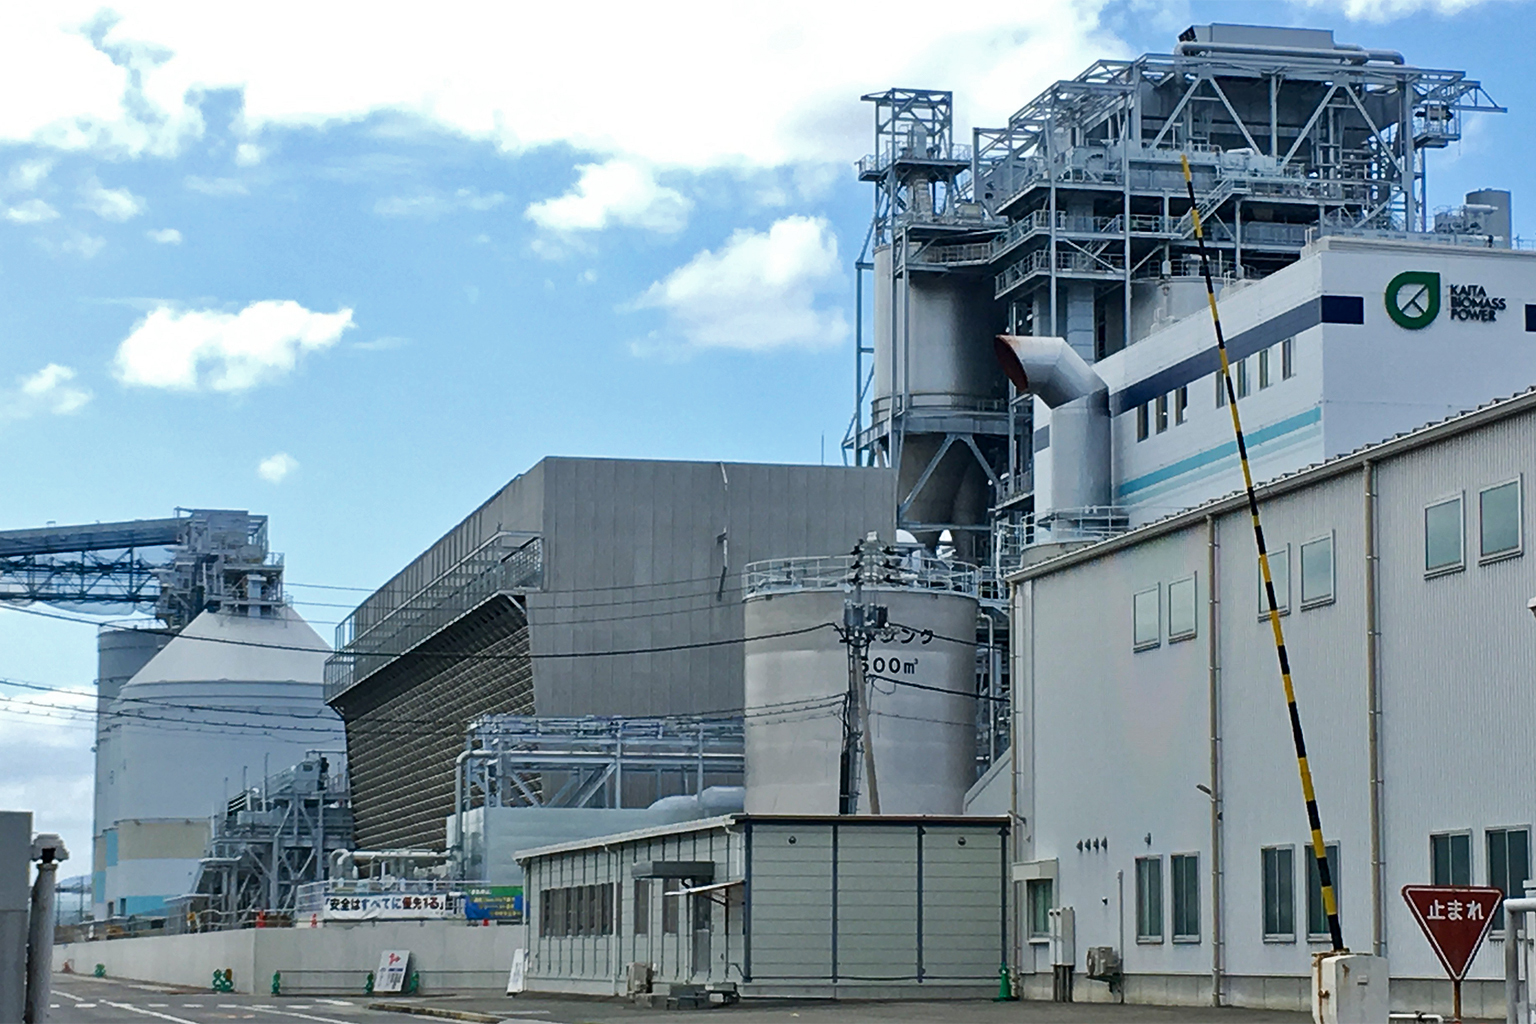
(356, 274)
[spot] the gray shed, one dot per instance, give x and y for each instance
(859, 906)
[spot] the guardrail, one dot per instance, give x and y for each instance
(903, 568)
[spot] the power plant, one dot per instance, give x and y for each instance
(987, 696)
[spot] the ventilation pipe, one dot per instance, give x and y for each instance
(1074, 454)
(1344, 52)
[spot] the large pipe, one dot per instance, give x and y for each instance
(1342, 52)
(1052, 371)
(1513, 936)
(47, 849)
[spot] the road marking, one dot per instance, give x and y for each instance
(193, 1006)
(147, 1013)
(69, 995)
(302, 1016)
(336, 1002)
(157, 1006)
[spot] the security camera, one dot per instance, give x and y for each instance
(1531, 606)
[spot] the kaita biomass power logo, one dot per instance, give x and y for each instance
(1413, 298)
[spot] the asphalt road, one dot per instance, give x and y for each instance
(85, 1000)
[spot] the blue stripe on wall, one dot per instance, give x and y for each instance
(1222, 451)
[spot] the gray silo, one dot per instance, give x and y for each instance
(121, 650)
(921, 686)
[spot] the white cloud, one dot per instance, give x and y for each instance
(49, 391)
(164, 236)
(79, 243)
(216, 186)
(1391, 10)
(789, 95)
(31, 211)
(46, 765)
(432, 204)
(187, 350)
(756, 292)
(110, 203)
(29, 174)
(248, 154)
(274, 468)
(384, 343)
(616, 192)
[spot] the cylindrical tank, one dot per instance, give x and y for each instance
(945, 361)
(1497, 220)
(228, 699)
(921, 693)
(121, 650)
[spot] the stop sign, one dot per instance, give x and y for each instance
(1456, 919)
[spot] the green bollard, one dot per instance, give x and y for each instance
(368, 985)
(277, 983)
(413, 983)
(1004, 986)
(100, 971)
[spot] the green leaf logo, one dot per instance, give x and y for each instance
(1413, 299)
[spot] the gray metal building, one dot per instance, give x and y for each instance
(583, 587)
(1155, 771)
(854, 906)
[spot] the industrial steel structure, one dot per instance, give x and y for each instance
(1070, 221)
(270, 840)
(524, 781)
(198, 560)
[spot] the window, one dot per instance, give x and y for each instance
(1442, 537)
(1182, 609)
(1509, 865)
(642, 906)
(1181, 404)
(1279, 893)
(1288, 358)
(1240, 377)
(1162, 413)
(1149, 899)
(1040, 892)
(1450, 859)
(1498, 515)
(1185, 871)
(669, 909)
(1141, 422)
(1264, 380)
(1221, 390)
(1317, 572)
(1280, 575)
(1146, 610)
(1317, 914)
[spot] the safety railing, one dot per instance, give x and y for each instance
(901, 567)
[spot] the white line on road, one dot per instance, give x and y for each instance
(303, 1016)
(336, 1002)
(147, 1013)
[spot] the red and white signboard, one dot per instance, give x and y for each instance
(1456, 918)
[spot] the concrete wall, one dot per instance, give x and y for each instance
(15, 880)
(450, 956)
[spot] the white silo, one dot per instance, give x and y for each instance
(921, 690)
(229, 698)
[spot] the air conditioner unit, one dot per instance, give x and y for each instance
(1103, 963)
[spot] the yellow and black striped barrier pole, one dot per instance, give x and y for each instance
(1319, 851)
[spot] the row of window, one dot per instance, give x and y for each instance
(1500, 532)
(1508, 865)
(1271, 365)
(577, 910)
(1317, 589)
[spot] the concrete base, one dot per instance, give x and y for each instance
(449, 955)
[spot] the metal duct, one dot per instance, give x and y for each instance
(1343, 52)
(1077, 464)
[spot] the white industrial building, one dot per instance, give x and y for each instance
(1157, 790)
(1321, 365)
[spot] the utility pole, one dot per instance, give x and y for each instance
(48, 850)
(861, 623)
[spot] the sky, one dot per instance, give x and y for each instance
(356, 272)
